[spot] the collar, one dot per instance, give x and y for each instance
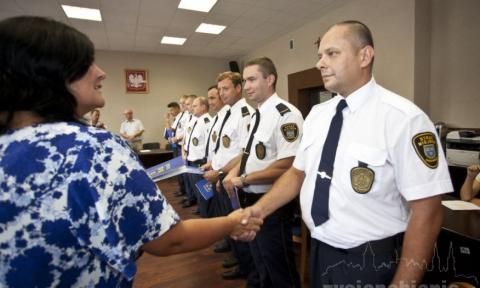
(359, 96)
(223, 110)
(269, 103)
(237, 106)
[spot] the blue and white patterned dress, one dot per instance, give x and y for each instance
(75, 207)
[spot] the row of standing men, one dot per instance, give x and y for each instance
(373, 219)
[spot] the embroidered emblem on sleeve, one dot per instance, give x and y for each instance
(289, 131)
(425, 145)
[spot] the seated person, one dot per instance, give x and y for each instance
(471, 186)
(76, 206)
(95, 119)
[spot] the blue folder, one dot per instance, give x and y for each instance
(171, 168)
(205, 189)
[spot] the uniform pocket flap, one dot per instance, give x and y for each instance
(371, 155)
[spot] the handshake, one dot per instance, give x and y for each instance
(246, 223)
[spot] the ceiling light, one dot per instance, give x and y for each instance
(82, 13)
(173, 40)
(210, 28)
(197, 5)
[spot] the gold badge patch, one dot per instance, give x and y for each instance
(214, 136)
(362, 179)
(425, 145)
(195, 141)
(290, 131)
(260, 150)
(226, 141)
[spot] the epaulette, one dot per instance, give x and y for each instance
(282, 109)
(206, 120)
(245, 111)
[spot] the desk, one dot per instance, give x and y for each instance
(457, 253)
(153, 157)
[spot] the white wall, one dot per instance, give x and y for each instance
(392, 24)
(170, 77)
(455, 62)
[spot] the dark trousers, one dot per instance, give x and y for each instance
(372, 263)
(240, 250)
(272, 249)
(178, 152)
(202, 204)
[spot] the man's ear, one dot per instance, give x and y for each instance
(366, 56)
(270, 80)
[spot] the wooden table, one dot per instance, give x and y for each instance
(153, 157)
(457, 253)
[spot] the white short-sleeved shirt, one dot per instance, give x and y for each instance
(187, 129)
(477, 177)
(381, 129)
(180, 132)
(176, 121)
(215, 130)
(132, 128)
(277, 137)
(233, 133)
(198, 138)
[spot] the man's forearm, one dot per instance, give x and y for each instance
(271, 173)
(286, 188)
(420, 236)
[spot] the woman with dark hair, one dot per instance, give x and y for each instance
(76, 207)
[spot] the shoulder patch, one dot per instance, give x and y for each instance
(290, 131)
(206, 120)
(282, 109)
(425, 145)
(245, 111)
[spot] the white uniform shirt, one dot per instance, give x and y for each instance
(233, 133)
(269, 142)
(378, 129)
(131, 128)
(176, 121)
(477, 177)
(182, 126)
(198, 138)
(215, 129)
(187, 129)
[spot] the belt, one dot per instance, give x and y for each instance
(247, 199)
(197, 163)
(378, 246)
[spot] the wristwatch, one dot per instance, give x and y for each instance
(243, 179)
(221, 174)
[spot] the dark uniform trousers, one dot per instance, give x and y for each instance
(272, 248)
(240, 249)
(178, 152)
(372, 263)
(194, 178)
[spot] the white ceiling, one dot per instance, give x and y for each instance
(138, 25)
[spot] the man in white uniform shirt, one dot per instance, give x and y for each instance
(190, 198)
(233, 129)
(218, 108)
(381, 212)
(275, 132)
(196, 148)
(132, 129)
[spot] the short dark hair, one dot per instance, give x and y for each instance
(38, 58)
(173, 105)
(266, 67)
(360, 30)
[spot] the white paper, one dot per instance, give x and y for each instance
(460, 205)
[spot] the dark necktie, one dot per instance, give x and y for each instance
(217, 145)
(325, 169)
(209, 134)
(246, 153)
(190, 137)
